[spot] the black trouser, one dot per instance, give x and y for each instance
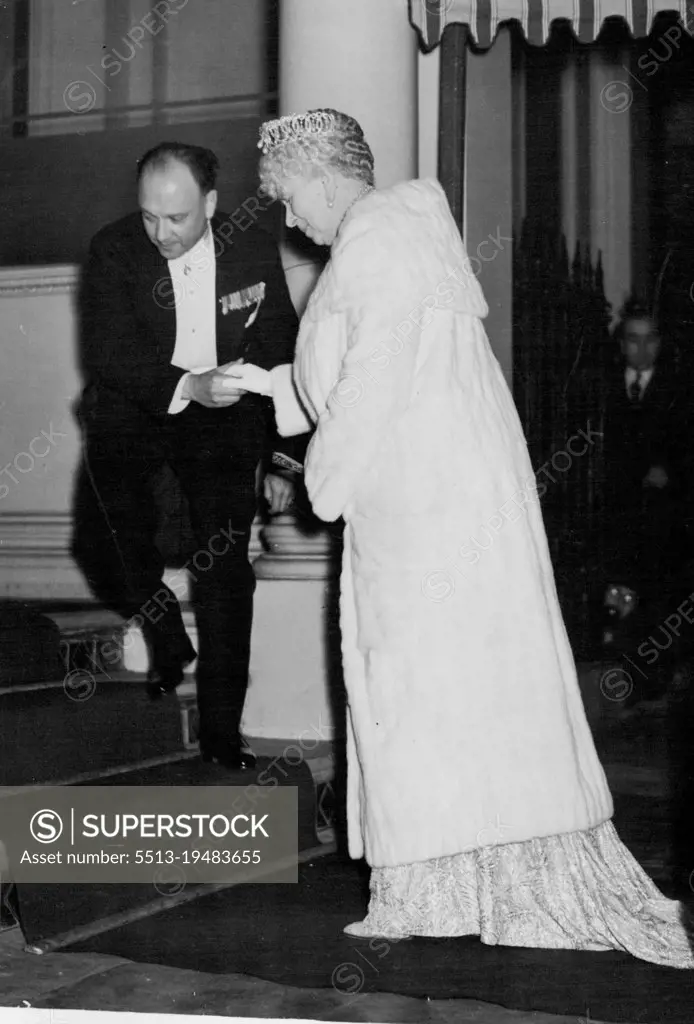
(125, 570)
(646, 546)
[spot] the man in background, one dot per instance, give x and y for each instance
(645, 486)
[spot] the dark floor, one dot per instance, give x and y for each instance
(94, 982)
(646, 755)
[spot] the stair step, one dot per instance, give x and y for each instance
(89, 723)
(83, 778)
(82, 620)
(74, 683)
(79, 714)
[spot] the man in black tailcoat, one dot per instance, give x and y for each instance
(171, 296)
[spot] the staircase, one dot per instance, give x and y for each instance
(95, 723)
(95, 720)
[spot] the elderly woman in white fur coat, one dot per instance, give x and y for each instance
(474, 789)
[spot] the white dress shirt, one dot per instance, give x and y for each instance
(631, 376)
(193, 279)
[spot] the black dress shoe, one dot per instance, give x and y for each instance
(228, 755)
(166, 672)
(163, 681)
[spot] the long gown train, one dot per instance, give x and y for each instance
(582, 890)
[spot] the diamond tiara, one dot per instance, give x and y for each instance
(294, 128)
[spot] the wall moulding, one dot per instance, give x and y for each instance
(36, 564)
(47, 280)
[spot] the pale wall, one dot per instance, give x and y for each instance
(39, 383)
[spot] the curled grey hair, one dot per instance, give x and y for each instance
(305, 144)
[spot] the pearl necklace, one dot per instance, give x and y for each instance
(363, 191)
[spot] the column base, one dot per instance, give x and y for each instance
(320, 761)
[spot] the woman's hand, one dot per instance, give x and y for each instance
(247, 377)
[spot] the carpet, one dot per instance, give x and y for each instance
(292, 935)
(50, 914)
(53, 734)
(71, 981)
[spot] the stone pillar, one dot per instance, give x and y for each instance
(295, 654)
(361, 58)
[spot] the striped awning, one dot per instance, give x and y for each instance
(484, 17)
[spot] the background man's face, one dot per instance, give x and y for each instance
(640, 344)
(174, 210)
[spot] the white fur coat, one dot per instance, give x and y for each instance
(465, 722)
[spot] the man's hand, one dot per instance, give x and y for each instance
(211, 389)
(655, 477)
(279, 493)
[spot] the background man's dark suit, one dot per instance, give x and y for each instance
(644, 525)
(640, 434)
(128, 338)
